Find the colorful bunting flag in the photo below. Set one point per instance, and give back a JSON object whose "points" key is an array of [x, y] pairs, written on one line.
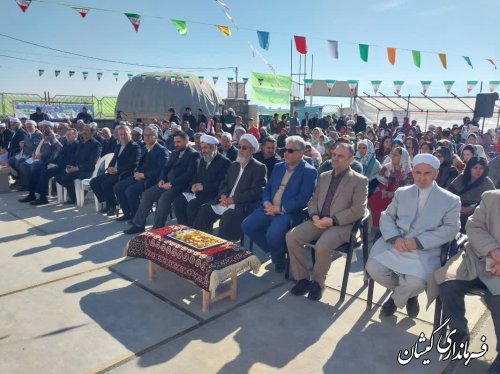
{"points": [[99, 76], [135, 20], [391, 55], [471, 85], [300, 44], [263, 37], [186, 80], [40, 72], [180, 25], [442, 58], [83, 11], [85, 74], [223, 4], [143, 77], [261, 80], [467, 59], [333, 47], [71, 73], [376, 86], [215, 79], [492, 62], [57, 72], [230, 81], [231, 19], [255, 52], [173, 78], [425, 85], [448, 85], [245, 80], [363, 52], [416, 58], [201, 78], [157, 77], [23, 4], [116, 76], [329, 84], [398, 85], [308, 84], [494, 86], [130, 76], [352, 86], [225, 30]]}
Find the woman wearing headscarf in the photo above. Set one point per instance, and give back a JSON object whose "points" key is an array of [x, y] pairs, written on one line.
{"points": [[371, 167], [479, 151], [394, 174], [447, 172], [470, 185], [384, 148], [467, 153], [411, 145]]}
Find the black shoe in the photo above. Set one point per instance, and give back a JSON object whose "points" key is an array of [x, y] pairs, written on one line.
{"points": [[301, 288], [104, 209], [495, 366], [130, 221], [40, 201], [27, 199], [70, 202], [316, 292], [412, 307], [123, 218], [111, 211], [388, 308], [134, 230]]}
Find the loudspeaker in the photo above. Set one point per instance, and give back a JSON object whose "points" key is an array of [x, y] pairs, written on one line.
{"points": [[485, 104]]}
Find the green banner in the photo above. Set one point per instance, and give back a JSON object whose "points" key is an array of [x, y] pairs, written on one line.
{"points": [[271, 89]]}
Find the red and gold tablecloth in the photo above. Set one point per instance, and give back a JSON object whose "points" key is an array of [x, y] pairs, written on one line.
{"points": [[207, 268]]}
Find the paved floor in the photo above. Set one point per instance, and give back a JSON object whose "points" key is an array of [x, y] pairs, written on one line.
{"points": [[70, 303]]}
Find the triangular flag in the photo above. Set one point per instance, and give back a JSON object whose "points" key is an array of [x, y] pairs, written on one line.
{"points": [[85, 74], [173, 78], [329, 84], [99, 76], [57, 72], [425, 85], [230, 81], [116, 76], [23, 4], [71, 73], [135, 20], [223, 4], [308, 84], [442, 58], [231, 19], [157, 77], [467, 59], [215, 79], [398, 85], [352, 86], [225, 30], [376, 86], [245, 80], [448, 85], [492, 62], [363, 52], [180, 25], [300, 44], [263, 37], [416, 58], [494, 86], [143, 77], [260, 80], [333, 47], [201, 78], [130, 76], [83, 11], [391, 55], [471, 85], [40, 72], [186, 80]]}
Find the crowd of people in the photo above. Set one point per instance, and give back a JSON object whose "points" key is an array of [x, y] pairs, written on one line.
{"points": [[421, 187]]}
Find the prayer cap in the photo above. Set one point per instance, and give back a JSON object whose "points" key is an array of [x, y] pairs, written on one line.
{"points": [[14, 120], [30, 122], [137, 130], [425, 158], [252, 140], [209, 139], [2, 125]]}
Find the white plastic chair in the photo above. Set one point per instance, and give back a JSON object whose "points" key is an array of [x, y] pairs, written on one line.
{"points": [[82, 185]]}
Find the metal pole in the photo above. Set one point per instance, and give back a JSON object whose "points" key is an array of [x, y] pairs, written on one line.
{"points": [[426, 117], [291, 65], [498, 120], [300, 72], [378, 113], [408, 106], [236, 69], [310, 94], [481, 87], [482, 130]]}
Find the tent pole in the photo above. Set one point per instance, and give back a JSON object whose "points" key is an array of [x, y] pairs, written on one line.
{"points": [[236, 70], [498, 119], [310, 94], [426, 117], [408, 106]]}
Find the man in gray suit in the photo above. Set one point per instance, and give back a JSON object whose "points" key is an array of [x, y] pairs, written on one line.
{"points": [[420, 219]]}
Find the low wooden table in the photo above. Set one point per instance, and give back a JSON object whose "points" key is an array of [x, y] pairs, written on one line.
{"points": [[207, 268]]}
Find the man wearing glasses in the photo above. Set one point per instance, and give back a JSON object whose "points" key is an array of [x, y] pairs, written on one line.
{"points": [[285, 196]]}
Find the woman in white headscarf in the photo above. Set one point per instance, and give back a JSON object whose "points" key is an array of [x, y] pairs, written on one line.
{"points": [[371, 167]]}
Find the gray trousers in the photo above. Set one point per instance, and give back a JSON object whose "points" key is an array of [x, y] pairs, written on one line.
{"points": [[403, 286], [149, 197]]}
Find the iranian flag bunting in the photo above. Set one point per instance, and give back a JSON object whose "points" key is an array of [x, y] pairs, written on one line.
{"points": [[352, 86], [99, 76], [40, 72], [471, 85], [135, 20], [130, 76], [116, 76], [245, 80], [230, 81], [185, 80], [376, 86], [83, 11], [215, 79], [201, 78], [85, 75], [143, 77], [425, 86], [71, 73], [158, 77], [448, 85], [23, 4], [398, 85], [173, 78], [261, 80], [494, 86], [329, 84], [57, 72], [308, 84]]}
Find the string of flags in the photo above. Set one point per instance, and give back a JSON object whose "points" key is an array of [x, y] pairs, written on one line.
{"points": [[263, 37]]}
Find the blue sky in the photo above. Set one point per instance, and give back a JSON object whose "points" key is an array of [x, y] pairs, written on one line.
{"points": [[457, 28]]}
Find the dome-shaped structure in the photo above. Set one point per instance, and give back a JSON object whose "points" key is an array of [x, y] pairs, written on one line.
{"points": [[150, 95]]}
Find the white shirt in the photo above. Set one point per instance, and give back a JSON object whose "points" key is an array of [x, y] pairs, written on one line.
{"points": [[219, 209]]}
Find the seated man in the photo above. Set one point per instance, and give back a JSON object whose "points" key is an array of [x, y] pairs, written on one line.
{"points": [[82, 163], [153, 159], [285, 196], [268, 155], [339, 201], [419, 220], [32, 138], [123, 164], [478, 267], [238, 195], [211, 171], [226, 148], [174, 179]]}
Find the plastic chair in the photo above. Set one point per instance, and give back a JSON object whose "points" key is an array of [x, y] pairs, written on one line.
{"points": [[82, 185]]}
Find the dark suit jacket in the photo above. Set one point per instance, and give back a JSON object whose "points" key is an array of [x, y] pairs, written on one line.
{"points": [[14, 147], [5, 138], [31, 141], [249, 188], [211, 177], [151, 164], [86, 156], [184, 168], [128, 160], [232, 153], [66, 154]]}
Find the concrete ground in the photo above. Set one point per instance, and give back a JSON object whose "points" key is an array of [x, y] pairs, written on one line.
{"points": [[70, 303]]}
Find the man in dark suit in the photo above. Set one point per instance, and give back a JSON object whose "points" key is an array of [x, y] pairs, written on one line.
{"points": [[122, 166], [226, 148], [19, 134], [152, 161], [285, 196], [5, 136], [268, 155], [211, 171], [188, 116], [174, 179], [39, 115], [238, 195]]}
